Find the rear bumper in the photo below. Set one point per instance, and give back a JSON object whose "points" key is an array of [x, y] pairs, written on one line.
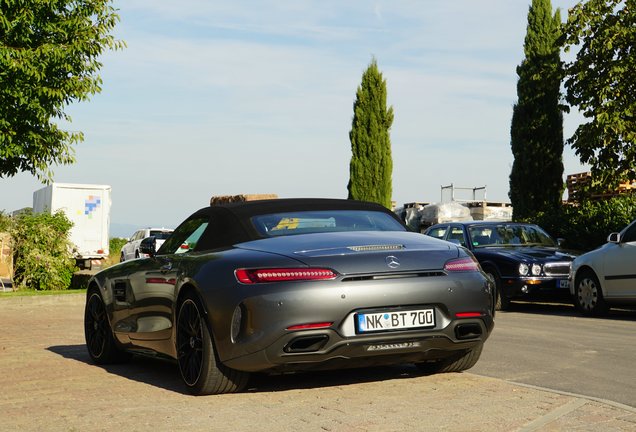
{"points": [[328, 349]]}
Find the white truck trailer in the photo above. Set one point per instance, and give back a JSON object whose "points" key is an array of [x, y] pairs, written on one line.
{"points": [[88, 207]]}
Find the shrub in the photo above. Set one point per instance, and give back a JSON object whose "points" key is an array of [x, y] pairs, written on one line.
{"points": [[587, 225], [42, 251]]}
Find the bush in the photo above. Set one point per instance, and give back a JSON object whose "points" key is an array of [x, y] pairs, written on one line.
{"points": [[587, 225], [42, 251], [114, 247]]}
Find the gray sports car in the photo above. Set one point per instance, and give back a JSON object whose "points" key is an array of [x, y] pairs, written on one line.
{"points": [[288, 285]]}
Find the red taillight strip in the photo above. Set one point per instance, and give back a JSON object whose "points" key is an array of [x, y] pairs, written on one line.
{"points": [[461, 265], [310, 326], [469, 314], [254, 276]]}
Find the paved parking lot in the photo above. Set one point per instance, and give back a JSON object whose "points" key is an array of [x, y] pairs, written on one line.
{"points": [[47, 383]]}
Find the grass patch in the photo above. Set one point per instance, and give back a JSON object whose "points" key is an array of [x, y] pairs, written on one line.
{"points": [[32, 293]]}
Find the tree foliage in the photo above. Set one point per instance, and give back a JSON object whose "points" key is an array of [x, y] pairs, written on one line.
{"points": [[587, 225], [49, 52], [42, 251], [600, 83], [371, 164], [536, 132]]}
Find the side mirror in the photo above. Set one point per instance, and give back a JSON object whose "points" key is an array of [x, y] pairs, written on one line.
{"points": [[148, 246], [614, 238], [560, 242]]}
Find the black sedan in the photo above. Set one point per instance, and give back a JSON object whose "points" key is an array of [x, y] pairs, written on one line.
{"points": [[288, 285], [522, 259]]}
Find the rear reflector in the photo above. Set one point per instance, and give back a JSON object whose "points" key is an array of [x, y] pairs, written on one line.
{"points": [[254, 276], [468, 314], [461, 265], [310, 326]]}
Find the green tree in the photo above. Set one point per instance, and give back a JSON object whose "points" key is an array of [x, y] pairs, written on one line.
{"points": [[371, 164], [49, 53], [600, 83], [536, 132]]}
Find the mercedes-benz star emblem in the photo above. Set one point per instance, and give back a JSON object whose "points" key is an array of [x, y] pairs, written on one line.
{"points": [[392, 261]]}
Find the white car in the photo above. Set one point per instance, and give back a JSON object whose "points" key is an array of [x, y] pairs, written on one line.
{"points": [[606, 276], [131, 249]]}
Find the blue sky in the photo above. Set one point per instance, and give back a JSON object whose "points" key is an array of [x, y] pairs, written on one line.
{"points": [[215, 98]]}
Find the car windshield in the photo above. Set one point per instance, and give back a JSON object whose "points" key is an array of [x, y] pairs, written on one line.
{"points": [[509, 235], [304, 222]]}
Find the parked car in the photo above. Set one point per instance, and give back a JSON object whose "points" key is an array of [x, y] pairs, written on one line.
{"points": [[522, 259], [131, 249], [291, 284], [606, 276]]}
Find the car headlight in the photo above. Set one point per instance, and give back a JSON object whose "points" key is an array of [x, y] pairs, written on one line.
{"points": [[523, 269], [536, 269]]}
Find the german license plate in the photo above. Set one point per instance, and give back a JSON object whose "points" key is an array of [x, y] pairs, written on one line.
{"points": [[564, 283], [395, 320]]}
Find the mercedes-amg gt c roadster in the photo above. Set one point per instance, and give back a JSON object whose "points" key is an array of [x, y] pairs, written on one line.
{"points": [[290, 285]]}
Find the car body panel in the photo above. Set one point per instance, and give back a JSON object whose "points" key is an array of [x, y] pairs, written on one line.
{"points": [[393, 272], [614, 264]]}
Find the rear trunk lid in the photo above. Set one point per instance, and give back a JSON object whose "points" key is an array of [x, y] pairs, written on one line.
{"points": [[364, 252]]}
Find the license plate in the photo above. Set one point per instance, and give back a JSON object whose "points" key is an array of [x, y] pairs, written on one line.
{"points": [[564, 283], [395, 320]]}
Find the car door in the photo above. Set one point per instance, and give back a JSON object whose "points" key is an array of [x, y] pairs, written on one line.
{"points": [[620, 266], [153, 284]]}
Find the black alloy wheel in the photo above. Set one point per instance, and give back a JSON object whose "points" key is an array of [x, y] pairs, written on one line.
{"points": [[190, 342], [200, 368], [97, 332]]}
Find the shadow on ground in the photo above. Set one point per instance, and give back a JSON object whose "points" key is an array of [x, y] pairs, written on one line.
{"points": [[165, 374]]}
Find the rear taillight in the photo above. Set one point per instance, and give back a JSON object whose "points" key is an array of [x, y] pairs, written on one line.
{"points": [[254, 276], [465, 264]]}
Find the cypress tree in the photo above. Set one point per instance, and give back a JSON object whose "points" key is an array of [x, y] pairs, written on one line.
{"points": [[536, 132], [371, 164]]}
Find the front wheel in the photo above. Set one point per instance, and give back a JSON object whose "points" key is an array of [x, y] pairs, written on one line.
{"points": [[588, 296], [502, 303], [97, 331], [201, 370], [460, 363]]}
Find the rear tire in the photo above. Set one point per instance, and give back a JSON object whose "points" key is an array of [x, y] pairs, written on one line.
{"points": [[588, 295], [200, 368], [457, 363], [98, 334]]}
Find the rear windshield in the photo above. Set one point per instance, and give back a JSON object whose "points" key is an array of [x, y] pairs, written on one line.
{"points": [[160, 235], [304, 222]]}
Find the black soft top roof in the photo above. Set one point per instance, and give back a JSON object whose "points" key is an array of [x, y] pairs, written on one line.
{"points": [[252, 208], [231, 222]]}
